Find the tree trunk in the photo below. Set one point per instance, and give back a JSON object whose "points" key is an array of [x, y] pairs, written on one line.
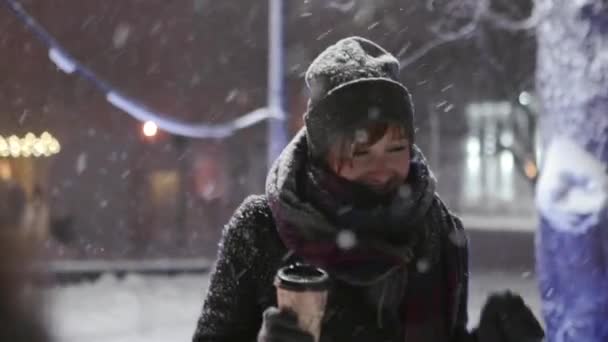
{"points": [[572, 251]]}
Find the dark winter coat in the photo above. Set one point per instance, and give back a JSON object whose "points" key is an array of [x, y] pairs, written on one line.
{"points": [[419, 298]]}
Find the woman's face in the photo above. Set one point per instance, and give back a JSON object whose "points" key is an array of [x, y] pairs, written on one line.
{"points": [[384, 162]]}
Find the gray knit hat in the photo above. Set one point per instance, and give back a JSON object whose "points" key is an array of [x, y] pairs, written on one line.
{"points": [[352, 84]]}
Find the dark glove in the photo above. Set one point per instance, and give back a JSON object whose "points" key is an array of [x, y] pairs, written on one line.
{"points": [[282, 326], [506, 318]]}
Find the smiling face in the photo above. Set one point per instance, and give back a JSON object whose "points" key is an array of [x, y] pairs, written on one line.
{"points": [[376, 156]]}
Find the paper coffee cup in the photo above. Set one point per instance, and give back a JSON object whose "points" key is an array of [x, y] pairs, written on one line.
{"points": [[303, 289]]}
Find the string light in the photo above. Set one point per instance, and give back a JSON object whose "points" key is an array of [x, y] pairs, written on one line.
{"points": [[67, 63], [30, 145]]}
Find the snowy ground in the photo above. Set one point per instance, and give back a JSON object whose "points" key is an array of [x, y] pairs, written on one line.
{"points": [[156, 308]]}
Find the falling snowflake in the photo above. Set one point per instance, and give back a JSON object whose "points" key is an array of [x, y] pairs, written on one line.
{"points": [[156, 28], [346, 239], [423, 265], [81, 163], [343, 210], [361, 136], [458, 238], [23, 116], [373, 113], [446, 88], [405, 191], [121, 35]]}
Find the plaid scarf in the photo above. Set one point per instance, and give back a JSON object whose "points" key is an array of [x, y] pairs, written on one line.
{"points": [[393, 233]]}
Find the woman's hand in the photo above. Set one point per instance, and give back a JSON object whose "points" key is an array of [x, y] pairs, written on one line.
{"points": [[506, 318], [282, 326]]}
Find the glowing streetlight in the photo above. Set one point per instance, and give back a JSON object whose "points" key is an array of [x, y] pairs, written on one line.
{"points": [[150, 129]]}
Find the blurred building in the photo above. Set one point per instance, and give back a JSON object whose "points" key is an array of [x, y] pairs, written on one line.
{"points": [[116, 191]]}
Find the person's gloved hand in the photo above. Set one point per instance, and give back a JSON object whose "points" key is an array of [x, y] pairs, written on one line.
{"points": [[506, 318], [282, 326]]}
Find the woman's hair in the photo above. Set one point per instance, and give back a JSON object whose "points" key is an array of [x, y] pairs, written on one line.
{"points": [[365, 137], [20, 307]]}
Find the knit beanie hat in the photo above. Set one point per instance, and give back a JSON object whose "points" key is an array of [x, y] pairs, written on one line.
{"points": [[352, 84]]}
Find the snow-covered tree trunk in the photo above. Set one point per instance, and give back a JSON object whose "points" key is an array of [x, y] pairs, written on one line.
{"points": [[572, 251]]}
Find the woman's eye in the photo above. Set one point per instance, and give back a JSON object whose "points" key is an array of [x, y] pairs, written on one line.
{"points": [[396, 149], [359, 153]]}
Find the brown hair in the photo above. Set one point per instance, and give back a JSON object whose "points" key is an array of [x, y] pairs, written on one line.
{"points": [[366, 137]]}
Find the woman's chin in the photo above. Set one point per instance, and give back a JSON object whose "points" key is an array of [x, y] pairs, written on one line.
{"points": [[381, 187]]}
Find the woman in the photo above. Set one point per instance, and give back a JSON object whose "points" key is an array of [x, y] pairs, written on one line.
{"points": [[353, 195]]}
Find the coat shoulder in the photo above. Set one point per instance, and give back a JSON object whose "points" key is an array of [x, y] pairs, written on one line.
{"points": [[252, 215], [447, 213], [253, 208], [252, 228]]}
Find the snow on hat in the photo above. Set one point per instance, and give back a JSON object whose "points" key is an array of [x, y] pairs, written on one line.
{"points": [[354, 83]]}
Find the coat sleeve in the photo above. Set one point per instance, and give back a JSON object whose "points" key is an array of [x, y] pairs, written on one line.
{"points": [[230, 310], [459, 248]]}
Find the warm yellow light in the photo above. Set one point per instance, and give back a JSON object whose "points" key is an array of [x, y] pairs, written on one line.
{"points": [[30, 138], [4, 149], [46, 136], [29, 145], [150, 129], [13, 140], [54, 146], [3, 144], [5, 170], [14, 144], [26, 151], [39, 148]]}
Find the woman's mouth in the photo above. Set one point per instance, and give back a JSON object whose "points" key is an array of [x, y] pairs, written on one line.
{"points": [[377, 179]]}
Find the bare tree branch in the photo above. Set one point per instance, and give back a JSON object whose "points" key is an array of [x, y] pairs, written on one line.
{"points": [[483, 12], [539, 12], [444, 38]]}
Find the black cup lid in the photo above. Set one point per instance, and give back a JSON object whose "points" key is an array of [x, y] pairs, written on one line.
{"points": [[302, 277]]}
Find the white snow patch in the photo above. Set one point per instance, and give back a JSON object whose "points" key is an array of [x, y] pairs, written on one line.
{"points": [[572, 191], [133, 309], [160, 309]]}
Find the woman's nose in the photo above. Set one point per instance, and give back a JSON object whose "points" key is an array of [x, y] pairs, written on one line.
{"points": [[378, 161]]}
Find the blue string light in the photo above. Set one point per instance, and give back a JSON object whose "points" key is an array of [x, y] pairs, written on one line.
{"points": [[68, 64]]}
